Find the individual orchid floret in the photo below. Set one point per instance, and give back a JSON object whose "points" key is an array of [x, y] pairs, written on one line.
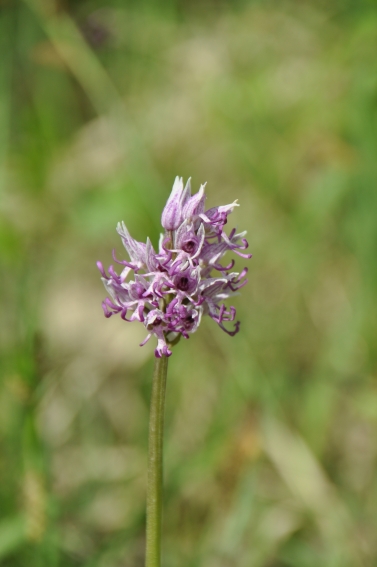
{"points": [[216, 218], [136, 250], [170, 290]]}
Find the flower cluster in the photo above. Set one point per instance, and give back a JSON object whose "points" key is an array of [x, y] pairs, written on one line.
{"points": [[171, 289]]}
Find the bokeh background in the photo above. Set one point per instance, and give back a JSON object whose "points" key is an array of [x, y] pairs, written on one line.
{"points": [[271, 436]]}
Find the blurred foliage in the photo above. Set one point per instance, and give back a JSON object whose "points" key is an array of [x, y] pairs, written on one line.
{"points": [[271, 437]]}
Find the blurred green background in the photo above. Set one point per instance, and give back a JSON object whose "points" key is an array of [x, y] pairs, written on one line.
{"points": [[271, 436]]}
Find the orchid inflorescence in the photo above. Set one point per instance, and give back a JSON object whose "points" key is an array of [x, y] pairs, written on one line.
{"points": [[174, 287]]}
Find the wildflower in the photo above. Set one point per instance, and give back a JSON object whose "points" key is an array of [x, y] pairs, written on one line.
{"points": [[173, 288]]}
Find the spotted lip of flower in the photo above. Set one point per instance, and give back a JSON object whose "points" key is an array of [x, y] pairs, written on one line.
{"points": [[173, 288]]}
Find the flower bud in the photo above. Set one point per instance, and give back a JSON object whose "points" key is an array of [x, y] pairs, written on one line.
{"points": [[172, 215]]}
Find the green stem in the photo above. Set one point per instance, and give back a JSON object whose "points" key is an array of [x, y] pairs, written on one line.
{"points": [[155, 453]]}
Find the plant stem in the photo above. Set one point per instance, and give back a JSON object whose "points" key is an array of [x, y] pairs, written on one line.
{"points": [[155, 454]]}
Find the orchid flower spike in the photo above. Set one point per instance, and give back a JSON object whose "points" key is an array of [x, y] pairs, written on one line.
{"points": [[173, 288]]}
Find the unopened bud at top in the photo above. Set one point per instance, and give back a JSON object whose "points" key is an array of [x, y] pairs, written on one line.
{"points": [[172, 215]]}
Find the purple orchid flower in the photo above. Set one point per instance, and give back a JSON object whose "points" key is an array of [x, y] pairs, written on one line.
{"points": [[174, 287]]}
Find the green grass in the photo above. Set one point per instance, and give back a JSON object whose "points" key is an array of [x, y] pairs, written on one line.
{"points": [[270, 436]]}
